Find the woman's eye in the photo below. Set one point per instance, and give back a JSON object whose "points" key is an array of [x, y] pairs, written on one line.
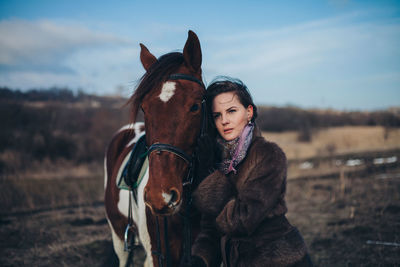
{"points": [[194, 108], [216, 116], [232, 110]]}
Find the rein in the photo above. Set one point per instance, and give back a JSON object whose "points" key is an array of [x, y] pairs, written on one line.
{"points": [[187, 183]]}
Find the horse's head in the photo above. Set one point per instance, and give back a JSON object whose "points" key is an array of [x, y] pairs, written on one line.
{"points": [[173, 114]]}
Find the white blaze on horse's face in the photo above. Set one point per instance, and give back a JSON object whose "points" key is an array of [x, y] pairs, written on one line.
{"points": [[167, 91]]}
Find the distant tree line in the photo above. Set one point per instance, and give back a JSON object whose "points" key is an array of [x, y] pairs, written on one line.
{"points": [[278, 119], [52, 94], [56, 130]]}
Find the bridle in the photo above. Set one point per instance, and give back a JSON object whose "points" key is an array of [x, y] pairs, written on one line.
{"points": [[187, 182]]}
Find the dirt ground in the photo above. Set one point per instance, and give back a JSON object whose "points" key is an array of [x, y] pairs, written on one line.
{"points": [[341, 220]]}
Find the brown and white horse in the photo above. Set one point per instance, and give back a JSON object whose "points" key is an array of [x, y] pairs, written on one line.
{"points": [[173, 115]]}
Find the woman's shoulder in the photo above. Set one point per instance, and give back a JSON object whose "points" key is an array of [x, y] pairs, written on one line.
{"points": [[266, 150]]}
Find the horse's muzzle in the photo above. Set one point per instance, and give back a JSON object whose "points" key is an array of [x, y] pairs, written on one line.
{"points": [[165, 203]]}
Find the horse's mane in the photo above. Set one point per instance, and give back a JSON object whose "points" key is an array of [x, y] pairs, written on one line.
{"points": [[157, 73]]}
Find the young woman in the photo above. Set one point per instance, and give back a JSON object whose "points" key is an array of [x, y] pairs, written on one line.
{"points": [[242, 201]]}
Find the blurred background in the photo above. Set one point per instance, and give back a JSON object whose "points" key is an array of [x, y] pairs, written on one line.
{"points": [[325, 76]]}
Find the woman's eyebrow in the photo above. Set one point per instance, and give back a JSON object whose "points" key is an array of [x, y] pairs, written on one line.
{"points": [[225, 110]]}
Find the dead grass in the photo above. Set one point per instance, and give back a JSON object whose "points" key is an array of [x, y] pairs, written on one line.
{"points": [[48, 185], [19, 166], [338, 140], [23, 194]]}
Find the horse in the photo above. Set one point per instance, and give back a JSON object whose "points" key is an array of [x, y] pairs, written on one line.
{"points": [[171, 96]]}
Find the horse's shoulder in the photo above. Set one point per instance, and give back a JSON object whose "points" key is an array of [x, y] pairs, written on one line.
{"points": [[123, 141], [127, 135]]}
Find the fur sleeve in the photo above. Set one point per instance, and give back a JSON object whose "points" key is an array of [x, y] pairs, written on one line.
{"points": [[258, 196], [213, 193]]}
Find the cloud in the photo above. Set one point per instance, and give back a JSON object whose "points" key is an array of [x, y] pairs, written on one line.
{"points": [[278, 64], [281, 49], [46, 53], [41, 42]]}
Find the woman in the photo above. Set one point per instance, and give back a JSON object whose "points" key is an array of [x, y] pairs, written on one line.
{"points": [[242, 202]]}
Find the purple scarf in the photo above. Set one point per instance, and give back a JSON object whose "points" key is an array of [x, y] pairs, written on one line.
{"points": [[234, 151]]}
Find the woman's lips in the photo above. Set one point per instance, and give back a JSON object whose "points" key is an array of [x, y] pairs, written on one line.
{"points": [[226, 131]]}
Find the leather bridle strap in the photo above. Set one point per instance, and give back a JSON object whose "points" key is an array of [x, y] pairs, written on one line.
{"points": [[181, 76], [169, 148]]}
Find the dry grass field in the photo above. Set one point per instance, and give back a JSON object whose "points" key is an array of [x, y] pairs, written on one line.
{"points": [[343, 210], [337, 140]]}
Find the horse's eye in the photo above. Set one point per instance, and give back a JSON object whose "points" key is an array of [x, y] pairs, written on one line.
{"points": [[194, 108]]}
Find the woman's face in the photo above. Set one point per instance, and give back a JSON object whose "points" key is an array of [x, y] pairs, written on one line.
{"points": [[230, 116]]}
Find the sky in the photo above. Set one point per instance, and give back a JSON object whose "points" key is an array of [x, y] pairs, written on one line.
{"points": [[337, 54]]}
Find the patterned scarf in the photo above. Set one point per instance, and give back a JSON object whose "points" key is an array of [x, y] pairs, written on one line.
{"points": [[234, 151]]}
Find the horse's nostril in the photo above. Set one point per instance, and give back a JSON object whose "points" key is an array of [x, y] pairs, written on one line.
{"points": [[175, 196]]}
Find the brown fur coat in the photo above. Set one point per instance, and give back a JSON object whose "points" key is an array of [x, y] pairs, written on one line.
{"points": [[243, 213]]}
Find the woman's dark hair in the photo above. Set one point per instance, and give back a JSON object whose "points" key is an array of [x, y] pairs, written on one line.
{"points": [[225, 84]]}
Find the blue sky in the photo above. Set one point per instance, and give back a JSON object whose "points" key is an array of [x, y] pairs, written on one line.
{"points": [[339, 54]]}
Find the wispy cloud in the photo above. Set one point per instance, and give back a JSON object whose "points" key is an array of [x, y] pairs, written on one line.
{"points": [[40, 42], [280, 63], [40, 53], [297, 46]]}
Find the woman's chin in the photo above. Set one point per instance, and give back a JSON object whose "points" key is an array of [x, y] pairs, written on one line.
{"points": [[229, 137]]}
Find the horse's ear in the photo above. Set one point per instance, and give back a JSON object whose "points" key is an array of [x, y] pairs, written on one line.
{"points": [[192, 52], [146, 57]]}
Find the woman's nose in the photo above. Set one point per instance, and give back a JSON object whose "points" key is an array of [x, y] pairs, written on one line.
{"points": [[224, 120]]}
